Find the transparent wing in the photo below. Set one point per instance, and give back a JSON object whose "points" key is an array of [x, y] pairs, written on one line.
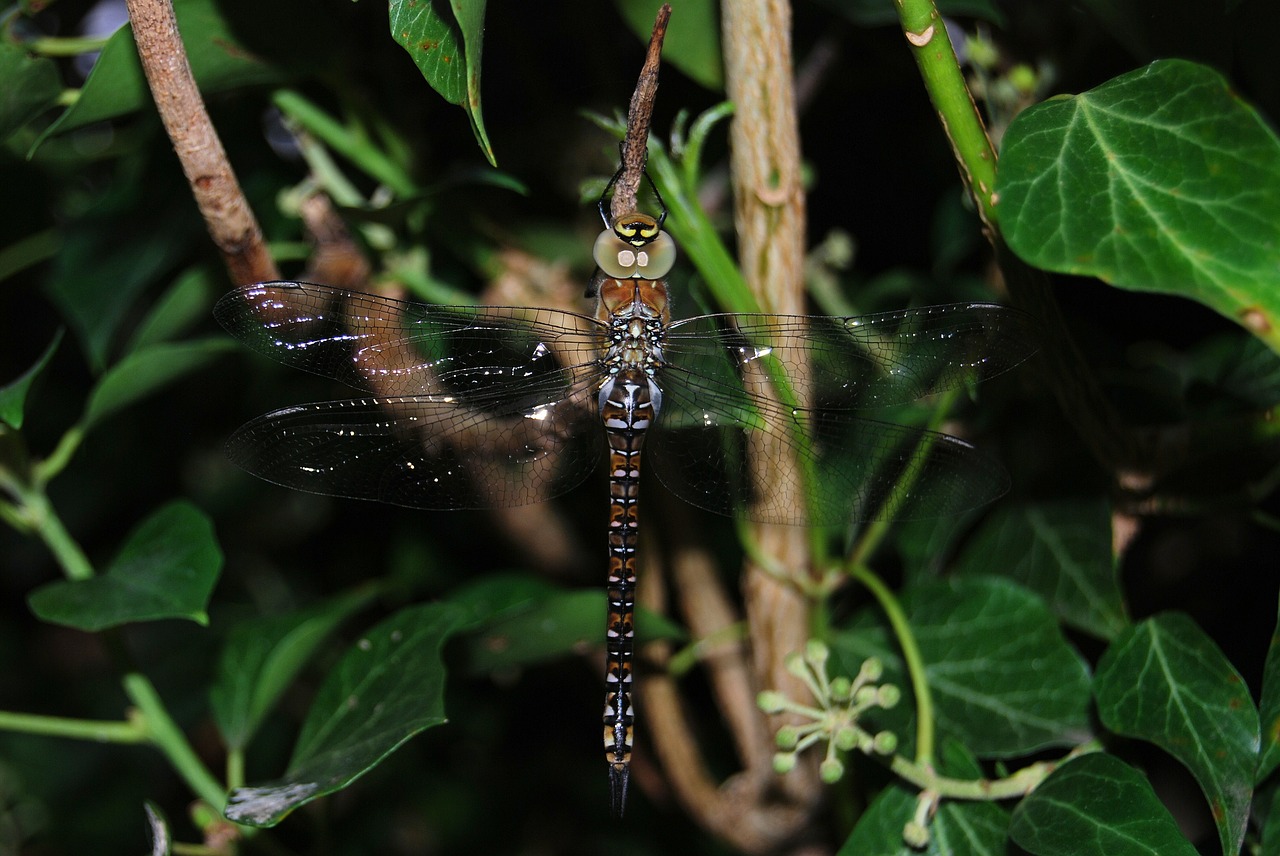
{"points": [[398, 348], [729, 445], [421, 452], [861, 362], [472, 407]]}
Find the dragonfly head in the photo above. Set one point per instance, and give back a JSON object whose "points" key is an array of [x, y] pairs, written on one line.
{"points": [[635, 248]]}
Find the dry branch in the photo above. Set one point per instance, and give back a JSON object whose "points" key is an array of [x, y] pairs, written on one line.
{"points": [[226, 212]]}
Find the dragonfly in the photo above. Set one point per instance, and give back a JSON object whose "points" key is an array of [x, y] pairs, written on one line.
{"points": [[472, 407]]}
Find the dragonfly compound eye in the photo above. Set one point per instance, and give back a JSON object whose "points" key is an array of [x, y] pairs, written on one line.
{"points": [[623, 259]]}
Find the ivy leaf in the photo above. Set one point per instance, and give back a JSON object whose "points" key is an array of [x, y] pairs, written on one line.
{"points": [[1097, 805], [1004, 681], [1165, 681], [145, 371], [1159, 180], [388, 687], [117, 87], [1269, 710], [28, 86], [448, 57], [692, 44], [1059, 550], [166, 569], [960, 828], [13, 396], [263, 655]]}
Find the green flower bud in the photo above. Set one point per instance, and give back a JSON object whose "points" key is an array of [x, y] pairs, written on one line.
{"points": [[831, 771]]}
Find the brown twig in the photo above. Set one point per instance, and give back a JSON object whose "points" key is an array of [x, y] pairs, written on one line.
{"points": [[230, 221], [635, 145]]}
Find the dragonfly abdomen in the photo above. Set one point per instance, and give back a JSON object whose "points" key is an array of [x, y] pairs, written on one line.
{"points": [[628, 405]]}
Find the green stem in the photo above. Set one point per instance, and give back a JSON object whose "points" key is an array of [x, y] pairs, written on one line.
{"points": [[99, 731], [875, 531], [66, 46], [33, 512], [944, 81], [352, 145], [911, 654], [169, 739], [1019, 784]]}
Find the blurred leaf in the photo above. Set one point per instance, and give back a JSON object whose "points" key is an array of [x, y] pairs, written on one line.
{"points": [[1159, 180], [1004, 681], [13, 396], [692, 43], [387, 688], [447, 58], [528, 621], [1269, 710], [1166, 682], [107, 260], [1238, 365], [1059, 550], [167, 568], [28, 86], [263, 655], [1097, 805], [143, 372], [187, 301], [117, 86]]}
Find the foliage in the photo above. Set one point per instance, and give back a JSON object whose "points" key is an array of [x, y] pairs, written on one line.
{"points": [[1062, 661]]}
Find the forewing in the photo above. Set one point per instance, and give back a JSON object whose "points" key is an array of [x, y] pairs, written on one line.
{"points": [[472, 407], [862, 362], [397, 348], [724, 412]]}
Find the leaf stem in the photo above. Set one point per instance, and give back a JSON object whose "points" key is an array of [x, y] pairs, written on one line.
{"points": [[169, 739], [936, 58], [911, 655], [33, 512], [1018, 784], [99, 731]]}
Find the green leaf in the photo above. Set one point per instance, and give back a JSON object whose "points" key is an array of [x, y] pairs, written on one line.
{"points": [[448, 59], [13, 396], [187, 301], [1097, 805], [143, 372], [263, 655], [28, 86], [692, 43], [1004, 681], [109, 258], [1165, 681], [958, 829], [117, 86], [525, 620], [167, 568], [1269, 709], [1062, 552], [387, 688], [1270, 823], [1159, 180]]}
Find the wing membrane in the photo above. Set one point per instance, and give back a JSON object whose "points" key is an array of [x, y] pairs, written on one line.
{"points": [[420, 452]]}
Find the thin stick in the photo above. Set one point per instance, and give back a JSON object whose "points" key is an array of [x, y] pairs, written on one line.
{"points": [[226, 212], [636, 143]]}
